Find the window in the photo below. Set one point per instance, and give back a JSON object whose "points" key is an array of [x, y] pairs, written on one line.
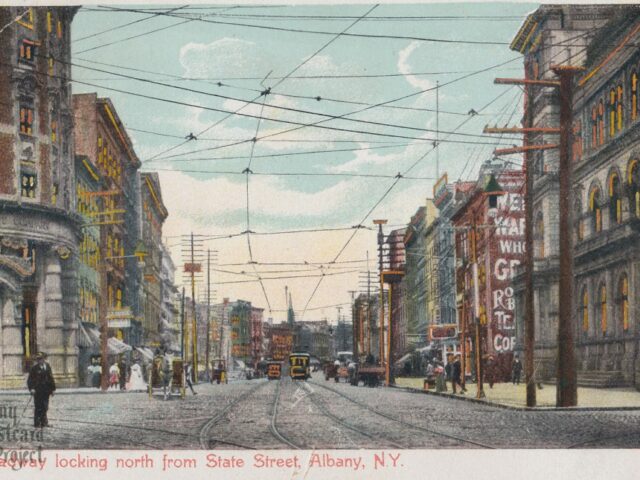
{"points": [[612, 112], [26, 120], [634, 95], [54, 130], [26, 18], [578, 217], [538, 237], [623, 302], [49, 22], [27, 51], [603, 308], [619, 109], [577, 141], [119, 298], [601, 123], [596, 212], [615, 200], [50, 64], [594, 127], [28, 182], [633, 182], [54, 194], [59, 29], [585, 310]]}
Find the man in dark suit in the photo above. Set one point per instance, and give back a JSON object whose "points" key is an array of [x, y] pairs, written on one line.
{"points": [[41, 385]]}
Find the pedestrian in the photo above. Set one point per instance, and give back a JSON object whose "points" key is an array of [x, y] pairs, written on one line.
{"points": [[41, 385], [441, 384], [516, 370], [447, 370], [456, 372], [114, 376], [490, 371], [188, 372], [122, 368]]}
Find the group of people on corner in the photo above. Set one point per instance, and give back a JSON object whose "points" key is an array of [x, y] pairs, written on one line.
{"points": [[437, 374]]}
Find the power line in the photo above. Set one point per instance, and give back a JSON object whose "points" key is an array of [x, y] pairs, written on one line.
{"points": [[86, 37], [294, 174], [277, 107], [322, 32]]}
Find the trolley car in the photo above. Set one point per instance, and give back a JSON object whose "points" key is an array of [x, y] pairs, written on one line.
{"points": [[299, 366], [274, 370]]}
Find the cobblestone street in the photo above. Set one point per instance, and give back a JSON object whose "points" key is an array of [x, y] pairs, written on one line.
{"points": [[309, 415]]}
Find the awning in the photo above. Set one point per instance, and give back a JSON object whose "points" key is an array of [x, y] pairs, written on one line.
{"points": [[240, 363], [403, 359], [146, 353], [116, 347], [88, 336]]}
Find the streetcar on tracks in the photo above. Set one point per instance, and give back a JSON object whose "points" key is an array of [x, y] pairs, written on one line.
{"points": [[274, 370], [300, 366]]}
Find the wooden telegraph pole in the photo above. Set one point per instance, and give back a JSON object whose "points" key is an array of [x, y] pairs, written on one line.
{"points": [[381, 267], [566, 369]]}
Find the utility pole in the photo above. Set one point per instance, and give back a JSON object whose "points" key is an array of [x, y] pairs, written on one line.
{"points": [[207, 369], [355, 327], [476, 311], [194, 325], [368, 306], [182, 335], [567, 391], [381, 267], [566, 388]]}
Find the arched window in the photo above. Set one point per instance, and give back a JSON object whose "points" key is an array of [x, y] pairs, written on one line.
{"points": [[603, 308], [634, 95], [585, 309], [601, 122], [613, 106], [577, 210], [615, 199], [538, 236], [619, 108], [594, 127], [577, 141], [596, 209], [623, 302], [633, 187]]}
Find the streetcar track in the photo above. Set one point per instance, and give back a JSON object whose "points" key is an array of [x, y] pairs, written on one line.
{"points": [[345, 424], [402, 422], [274, 413], [213, 421]]}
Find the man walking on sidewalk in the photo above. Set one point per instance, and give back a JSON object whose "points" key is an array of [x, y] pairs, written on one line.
{"points": [[456, 372], [41, 385], [516, 370]]}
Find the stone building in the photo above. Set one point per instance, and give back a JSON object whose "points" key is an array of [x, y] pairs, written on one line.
{"points": [[39, 230], [256, 335], [606, 187], [102, 139], [169, 313]]}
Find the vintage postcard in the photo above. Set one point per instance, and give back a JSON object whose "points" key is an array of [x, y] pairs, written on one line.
{"points": [[319, 240]]}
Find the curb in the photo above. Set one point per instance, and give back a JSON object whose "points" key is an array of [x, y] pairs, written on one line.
{"points": [[72, 392], [515, 408]]}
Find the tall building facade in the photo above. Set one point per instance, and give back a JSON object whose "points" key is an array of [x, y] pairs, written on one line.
{"points": [[415, 290], [102, 139], [154, 213], [39, 230], [489, 233], [606, 185]]}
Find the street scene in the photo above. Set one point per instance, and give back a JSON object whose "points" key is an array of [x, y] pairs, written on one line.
{"points": [[256, 227]]}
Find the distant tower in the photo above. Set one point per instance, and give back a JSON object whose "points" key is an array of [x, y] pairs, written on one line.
{"points": [[291, 318]]}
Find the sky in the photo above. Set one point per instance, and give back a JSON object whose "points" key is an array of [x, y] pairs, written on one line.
{"points": [[248, 81]]}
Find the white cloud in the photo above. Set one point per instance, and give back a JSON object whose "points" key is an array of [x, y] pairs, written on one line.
{"points": [[405, 68]]}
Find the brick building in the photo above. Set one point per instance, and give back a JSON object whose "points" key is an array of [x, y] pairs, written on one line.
{"points": [[102, 139], [39, 230], [489, 238]]}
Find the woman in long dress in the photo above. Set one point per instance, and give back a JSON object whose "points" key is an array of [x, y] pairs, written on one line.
{"points": [[136, 382]]}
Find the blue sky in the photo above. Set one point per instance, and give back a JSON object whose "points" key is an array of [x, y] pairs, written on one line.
{"points": [[213, 60]]}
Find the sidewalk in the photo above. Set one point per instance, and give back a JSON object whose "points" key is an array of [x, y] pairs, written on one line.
{"points": [[69, 391], [515, 396]]}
